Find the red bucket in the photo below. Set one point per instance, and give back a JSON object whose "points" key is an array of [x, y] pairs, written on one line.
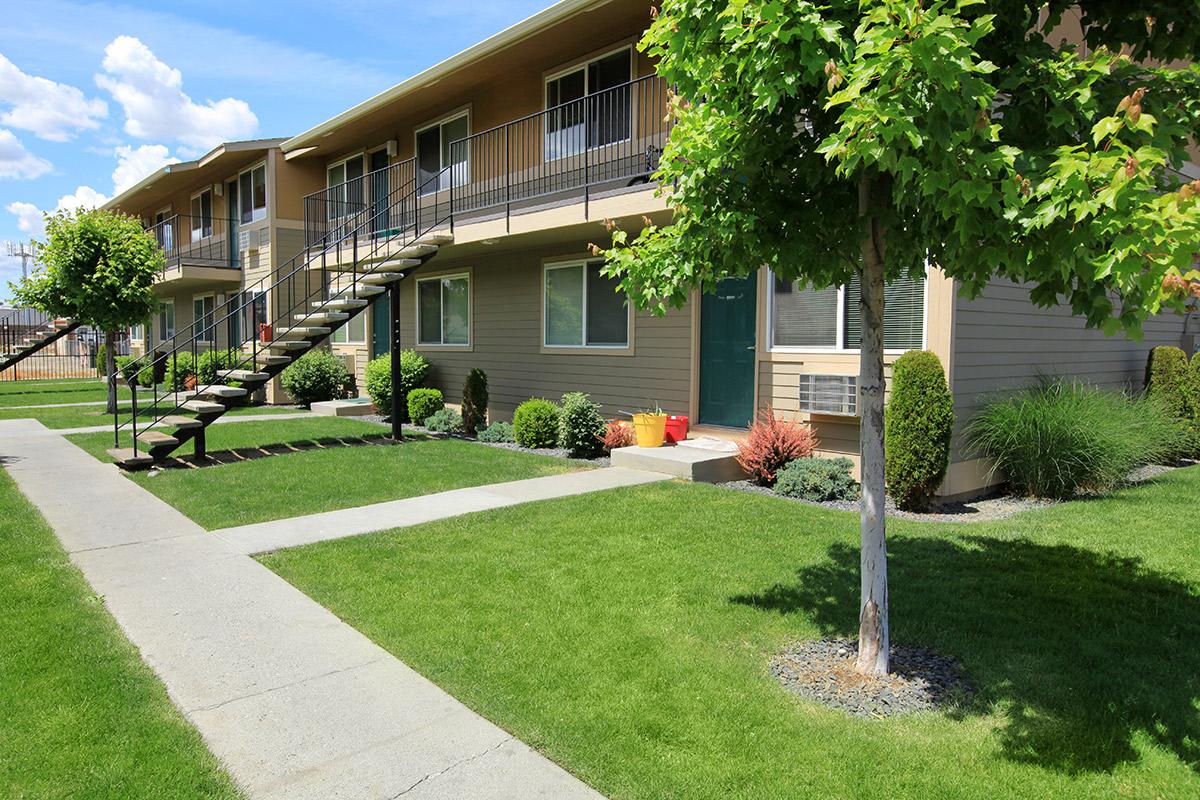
{"points": [[677, 428]]}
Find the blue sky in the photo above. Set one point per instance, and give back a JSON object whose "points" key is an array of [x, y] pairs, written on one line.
{"points": [[93, 96]]}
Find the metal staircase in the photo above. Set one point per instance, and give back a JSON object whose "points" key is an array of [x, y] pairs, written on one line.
{"points": [[35, 341], [318, 292]]}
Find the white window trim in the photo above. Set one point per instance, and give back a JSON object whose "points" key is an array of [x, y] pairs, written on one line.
{"points": [[196, 322], [442, 301], [243, 200], [361, 155], [212, 205], [841, 324], [582, 264], [461, 111], [583, 65]]}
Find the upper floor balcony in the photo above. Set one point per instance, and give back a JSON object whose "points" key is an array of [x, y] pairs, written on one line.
{"points": [[597, 146], [198, 249]]}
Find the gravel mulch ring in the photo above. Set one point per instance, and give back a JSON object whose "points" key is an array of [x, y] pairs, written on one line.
{"points": [[983, 510], [823, 671]]}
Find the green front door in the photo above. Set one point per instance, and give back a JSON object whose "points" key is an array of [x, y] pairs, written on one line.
{"points": [[727, 353], [381, 334]]}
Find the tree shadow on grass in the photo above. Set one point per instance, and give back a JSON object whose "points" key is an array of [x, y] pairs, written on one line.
{"points": [[1078, 652]]}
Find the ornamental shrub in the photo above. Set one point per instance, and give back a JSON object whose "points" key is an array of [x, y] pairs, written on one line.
{"points": [[315, 377], [580, 426], [474, 402], [772, 443], [423, 404], [101, 360], [413, 371], [617, 434], [535, 424], [497, 432], [179, 368], [1060, 439], [818, 479], [1175, 384], [213, 361], [447, 420], [918, 423]]}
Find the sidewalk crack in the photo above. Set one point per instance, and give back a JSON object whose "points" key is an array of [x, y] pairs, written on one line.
{"points": [[455, 765], [300, 682]]}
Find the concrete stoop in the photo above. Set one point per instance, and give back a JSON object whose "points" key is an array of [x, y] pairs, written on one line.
{"points": [[703, 460]]}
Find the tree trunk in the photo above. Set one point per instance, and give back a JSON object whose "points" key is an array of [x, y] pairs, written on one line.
{"points": [[110, 368], [873, 632]]}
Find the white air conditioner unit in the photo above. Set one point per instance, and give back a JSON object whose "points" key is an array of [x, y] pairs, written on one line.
{"points": [[829, 394], [248, 241]]}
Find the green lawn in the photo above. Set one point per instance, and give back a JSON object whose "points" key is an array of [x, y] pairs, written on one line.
{"points": [[42, 392], [627, 634], [323, 479], [83, 716]]}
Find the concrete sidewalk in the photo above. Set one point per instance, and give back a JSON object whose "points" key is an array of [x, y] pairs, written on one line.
{"points": [[295, 703], [263, 537]]}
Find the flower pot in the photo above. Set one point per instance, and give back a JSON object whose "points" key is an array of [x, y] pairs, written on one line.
{"points": [[651, 429], [677, 428], [265, 332]]}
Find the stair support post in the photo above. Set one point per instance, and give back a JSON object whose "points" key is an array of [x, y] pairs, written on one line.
{"points": [[199, 446], [398, 399]]}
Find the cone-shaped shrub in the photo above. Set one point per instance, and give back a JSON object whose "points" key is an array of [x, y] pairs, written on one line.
{"points": [[580, 425], [475, 402], [771, 444], [1174, 384], [918, 423]]}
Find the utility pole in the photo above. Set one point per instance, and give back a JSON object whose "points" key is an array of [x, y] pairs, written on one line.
{"points": [[23, 251]]}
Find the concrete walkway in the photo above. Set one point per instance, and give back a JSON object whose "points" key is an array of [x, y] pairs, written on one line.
{"points": [[263, 537], [294, 702]]}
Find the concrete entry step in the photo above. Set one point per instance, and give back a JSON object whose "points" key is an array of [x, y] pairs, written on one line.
{"points": [[127, 460], [354, 407], [700, 460]]}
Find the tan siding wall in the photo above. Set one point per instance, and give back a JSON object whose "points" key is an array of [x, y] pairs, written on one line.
{"points": [[1003, 341], [506, 333]]}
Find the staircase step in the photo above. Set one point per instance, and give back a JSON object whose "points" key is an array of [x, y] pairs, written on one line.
{"points": [[340, 302], [244, 375], [380, 279], [275, 360], [125, 458], [157, 439], [370, 291], [305, 333], [203, 407], [181, 422], [218, 390], [290, 344], [416, 250], [397, 265], [321, 316], [436, 238]]}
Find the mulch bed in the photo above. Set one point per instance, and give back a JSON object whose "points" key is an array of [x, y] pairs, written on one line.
{"points": [[823, 671]]}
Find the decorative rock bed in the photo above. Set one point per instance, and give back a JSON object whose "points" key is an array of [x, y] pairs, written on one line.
{"points": [[823, 671]]}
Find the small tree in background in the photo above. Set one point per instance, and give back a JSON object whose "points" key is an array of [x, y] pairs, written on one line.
{"points": [[868, 138], [919, 422], [98, 268], [475, 402]]}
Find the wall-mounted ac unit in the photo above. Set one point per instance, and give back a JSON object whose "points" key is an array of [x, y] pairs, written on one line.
{"points": [[248, 241], [829, 394]]}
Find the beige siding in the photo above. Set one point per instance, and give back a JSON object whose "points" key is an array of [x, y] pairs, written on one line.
{"points": [[506, 305]]}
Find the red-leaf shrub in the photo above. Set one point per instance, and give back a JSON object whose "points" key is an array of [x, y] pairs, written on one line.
{"points": [[771, 444], [617, 434]]}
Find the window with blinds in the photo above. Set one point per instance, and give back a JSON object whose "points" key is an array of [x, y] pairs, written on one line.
{"points": [[829, 318]]}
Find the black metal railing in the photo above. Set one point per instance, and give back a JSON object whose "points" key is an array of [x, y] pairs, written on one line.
{"points": [[198, 241], [607, 140], [234, 333], [34, 346]]}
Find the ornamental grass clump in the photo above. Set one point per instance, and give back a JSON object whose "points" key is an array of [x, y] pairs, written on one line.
{"points": [[535, 424], [772, 443], [1061, 438], [918, 423]]}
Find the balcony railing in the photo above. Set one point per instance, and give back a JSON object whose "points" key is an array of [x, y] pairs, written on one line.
{"points": [[198, 241], [602, 143]]}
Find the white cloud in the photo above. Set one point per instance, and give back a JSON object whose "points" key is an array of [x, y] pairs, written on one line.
{"points": [[135, 163], [156, 107], [30, 218], [17, 162], [52, 111]]}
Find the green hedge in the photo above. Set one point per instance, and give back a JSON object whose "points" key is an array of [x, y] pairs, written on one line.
{"points": [[918, 423], [535, 424], [414, 369]]}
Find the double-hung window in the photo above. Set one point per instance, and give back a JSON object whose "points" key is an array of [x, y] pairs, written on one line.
{"points": [[345, 187], [353, 332], [439, 164], [202, 215], [203, 315], [589, 105], [828, 319], [583, 308], [252, 193], [166, 321], [444, 310]]}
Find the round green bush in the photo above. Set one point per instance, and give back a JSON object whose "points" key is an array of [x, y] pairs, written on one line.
{"points": [[581, 426], [918, 423], [475, 401], [447, 420], [817, 479], [535, 424], [423, 404], [497, 432], [413, 371], [179, 367], [315, 377]]}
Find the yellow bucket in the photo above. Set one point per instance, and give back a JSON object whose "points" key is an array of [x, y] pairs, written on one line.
{"points": [[651, 429]]}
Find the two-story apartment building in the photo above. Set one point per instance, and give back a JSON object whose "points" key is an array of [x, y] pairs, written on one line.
{"points": [[513, 153]]}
